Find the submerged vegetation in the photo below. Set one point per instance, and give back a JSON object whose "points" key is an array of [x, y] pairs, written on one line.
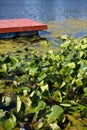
{"points": [[45, 92]]}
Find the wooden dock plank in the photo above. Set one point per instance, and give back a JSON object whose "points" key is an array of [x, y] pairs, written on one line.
{"points": [[20, 25]]}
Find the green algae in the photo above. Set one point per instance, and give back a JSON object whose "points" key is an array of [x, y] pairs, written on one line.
{"points": [[11, 45], [71, 27], [17, 45]]}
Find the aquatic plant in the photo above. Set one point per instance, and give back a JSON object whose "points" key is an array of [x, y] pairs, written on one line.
{"points": [[45, 92]]}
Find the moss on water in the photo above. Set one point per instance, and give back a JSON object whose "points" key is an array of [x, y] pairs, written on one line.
{"points": [[18, 44], [71, 27]]}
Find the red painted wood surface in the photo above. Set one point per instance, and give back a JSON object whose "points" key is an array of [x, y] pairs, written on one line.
{"points": [[20, 25]]}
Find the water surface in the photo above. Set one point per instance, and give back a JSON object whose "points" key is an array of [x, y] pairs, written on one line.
{"points": [[62, 16], [44, 10]]}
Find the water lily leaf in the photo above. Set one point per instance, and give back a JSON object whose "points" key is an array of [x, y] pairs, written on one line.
{"points": [[54, 126], [84, 46], [40, 106], [85, 91], [44, 43], [7, 59], [14, 60], [63, 84], [27, 102], [81, 53], [13, 118], [4, 67], [25, 92], [80, 73], [46, 63], [84, 70], [57, 96], [18, 103], [65, 45], [42, 77], [2, 113], [15, 83], [41, 83], [9, 124], [71, 65], [64, 37], [77, 47], [32, 71], [44, 87], [56, 111], [81, 107], [22, 88], [50, 51], [79, 82]]}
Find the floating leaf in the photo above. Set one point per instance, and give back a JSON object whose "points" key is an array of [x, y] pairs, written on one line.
{"points": [[57, 96], [9, 124], [18, 103], [63, 84], [42, 77], [44, 87], [40, 106], [71, 65], [56, 111], [2, 113], [79, 82], [27, 102], [54, 126], [4, 67], [84, 46], [14, 60], [81, 53], [85, 91]]}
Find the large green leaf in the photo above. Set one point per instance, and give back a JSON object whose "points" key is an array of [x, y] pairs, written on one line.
{"points": [[41, 77], [79, 82], [56, 111], [71, 65], [44, 87], [57, 96], [27, 102], [9, 124], [40, 106]]}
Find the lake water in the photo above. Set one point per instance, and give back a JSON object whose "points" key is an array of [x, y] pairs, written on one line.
{"points": [[50, 12], [44, 10]]}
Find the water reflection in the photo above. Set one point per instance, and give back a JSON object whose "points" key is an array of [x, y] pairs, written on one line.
{"points": [[44, 10]]}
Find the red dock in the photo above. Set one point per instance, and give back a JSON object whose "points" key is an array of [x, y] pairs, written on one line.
{"points": [[20, 25]]}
